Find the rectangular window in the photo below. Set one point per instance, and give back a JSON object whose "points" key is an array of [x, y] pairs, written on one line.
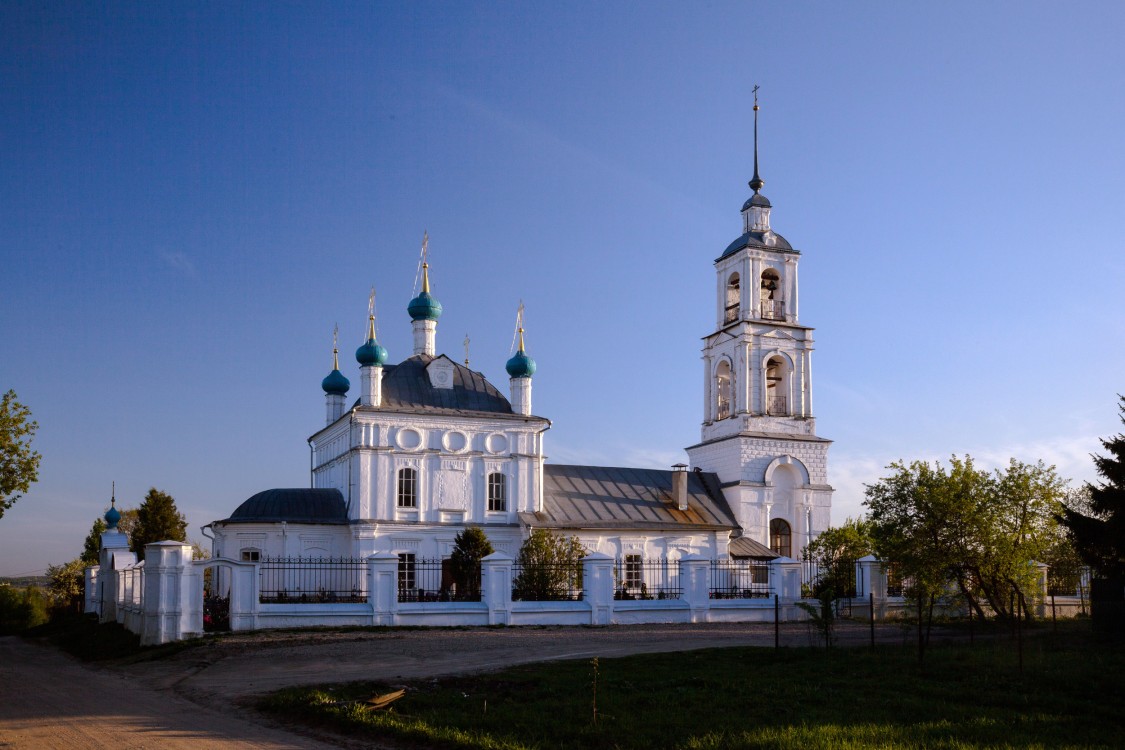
{"points": [[632, 572], [496, 492], [407, 488], [405, 571], [251, 555]]}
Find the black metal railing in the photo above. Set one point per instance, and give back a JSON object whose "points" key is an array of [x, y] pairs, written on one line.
{"points": [[773, 309], [738, 579], [731, 313], [646, 579], [547, 582], [312, 580], [724, 408], [438, 581], [897, 583], [776, 406], [1067, 582], [836, 577]]}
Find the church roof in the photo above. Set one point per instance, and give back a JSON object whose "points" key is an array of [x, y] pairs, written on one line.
{"points": [[744, 546], [407, 387], [300, 505], [590, 497], [772, 241]]}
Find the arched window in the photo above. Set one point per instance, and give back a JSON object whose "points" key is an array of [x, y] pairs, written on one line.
{"points": [[407, 488], [781, 539], [497, 491], [773, 307], [733, 299], [724, 389], [777, 386]]}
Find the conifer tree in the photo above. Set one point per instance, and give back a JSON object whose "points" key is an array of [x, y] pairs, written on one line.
{"points": [[158, 520], [469, 548], [1097, 523], [92, 547]]}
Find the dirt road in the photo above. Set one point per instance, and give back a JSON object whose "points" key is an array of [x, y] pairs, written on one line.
{"points": [[196, 698]]}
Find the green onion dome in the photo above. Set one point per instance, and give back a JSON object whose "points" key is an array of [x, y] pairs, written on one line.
{"points": [[424, 307], [521, 365], [112, 516], [336, 384], [371, 354]]}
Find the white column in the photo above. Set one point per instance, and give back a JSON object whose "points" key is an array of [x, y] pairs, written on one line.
{"points": [[755, 286], [707, 404], [425, 336], [521, 395], [371, 385]]}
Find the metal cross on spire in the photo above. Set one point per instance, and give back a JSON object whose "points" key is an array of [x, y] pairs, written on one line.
{"points": [[423, 266], [519, 328], [371, 314], [466, 350], [757, 182], [335, 346]]}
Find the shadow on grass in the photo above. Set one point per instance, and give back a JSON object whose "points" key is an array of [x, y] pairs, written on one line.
{"points": [[1068, 695]]}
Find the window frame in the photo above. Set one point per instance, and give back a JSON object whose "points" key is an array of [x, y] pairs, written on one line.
{"points": [[406, 488], [497, 492]]}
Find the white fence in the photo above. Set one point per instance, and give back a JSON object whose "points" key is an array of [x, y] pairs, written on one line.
{"points": [[162, 599]]}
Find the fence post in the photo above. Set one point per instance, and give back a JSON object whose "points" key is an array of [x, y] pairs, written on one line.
{"points": [[785, 580], [113, 556], [695, 577], [245, 596], [1041, 595], [496, 587], [165, 592], [597, 587], [91, 600], [382, 587], [871, 575]]}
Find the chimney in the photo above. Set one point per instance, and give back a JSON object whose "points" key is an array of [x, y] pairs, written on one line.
{"points": [[679, 485]]}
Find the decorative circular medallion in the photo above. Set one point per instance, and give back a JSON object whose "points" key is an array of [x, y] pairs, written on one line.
{"points": [[496, 443], [408, 439], [455, 441]]}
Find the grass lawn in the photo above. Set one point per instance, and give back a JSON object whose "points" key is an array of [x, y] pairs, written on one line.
{"points": [[1071, 694]]}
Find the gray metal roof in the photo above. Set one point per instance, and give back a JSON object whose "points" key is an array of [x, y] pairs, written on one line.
{"points": [[744, 546], [587, 497], [299, 505], [759, 239], [406, 387]]}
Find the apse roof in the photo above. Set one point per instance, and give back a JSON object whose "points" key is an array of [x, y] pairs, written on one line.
{"points": [[407, 387], [612, 497], [299, 505]]}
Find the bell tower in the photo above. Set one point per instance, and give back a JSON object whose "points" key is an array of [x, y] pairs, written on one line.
{"points": [[759, 433]]}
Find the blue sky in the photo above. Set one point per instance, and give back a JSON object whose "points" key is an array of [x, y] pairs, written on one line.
{"points": [[192, 195]]}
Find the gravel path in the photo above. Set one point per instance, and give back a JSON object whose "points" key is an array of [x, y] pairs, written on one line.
{"points": [[198, 698]]}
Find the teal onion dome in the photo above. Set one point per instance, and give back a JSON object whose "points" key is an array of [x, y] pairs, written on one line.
{"points": [[112, 516], [424, 307], [521, 365], [336, 384], [371, 354]]}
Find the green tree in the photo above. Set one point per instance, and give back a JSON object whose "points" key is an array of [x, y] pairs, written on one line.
{"points": [[1096, 522], [91, 548], [19, 465], [964, 527], [68, 584], [550, 567], [21, 608], [835, 550], [158, 520], [469, 548]]}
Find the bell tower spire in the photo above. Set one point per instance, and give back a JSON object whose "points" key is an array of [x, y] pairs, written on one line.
{"points": [[758, 431]]}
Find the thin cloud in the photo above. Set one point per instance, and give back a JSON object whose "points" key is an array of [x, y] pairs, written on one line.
{"points": [[179, 262]]}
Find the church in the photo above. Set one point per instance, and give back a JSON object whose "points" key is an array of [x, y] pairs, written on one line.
{"points": [[430, 447]]}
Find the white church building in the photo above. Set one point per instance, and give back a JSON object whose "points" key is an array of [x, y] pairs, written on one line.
{"points": [[430, 447]]}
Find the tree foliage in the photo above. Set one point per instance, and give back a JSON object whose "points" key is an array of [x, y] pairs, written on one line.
{"points": [[21, 608], [469, 548], [158, 520], [68, 584], [835, 551], [550, 566], [91, 548], [963, 526], [19, 464], [1096, 521]]}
